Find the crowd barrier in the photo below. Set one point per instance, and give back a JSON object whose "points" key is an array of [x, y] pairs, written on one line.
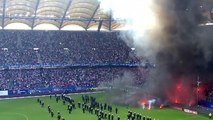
{"points": [[207, 104], [38, 66], [42, 91], [4, 93]]}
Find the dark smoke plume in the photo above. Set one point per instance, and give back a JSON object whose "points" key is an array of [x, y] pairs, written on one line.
{"points": [[181, 49]]}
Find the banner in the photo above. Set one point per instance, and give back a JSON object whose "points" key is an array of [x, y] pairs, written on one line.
{"points": [[190, 111], [4, 93], [206, 104], [48, 90]]}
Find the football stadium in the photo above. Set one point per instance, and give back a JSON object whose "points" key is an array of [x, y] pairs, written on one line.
{"points": [[106, 59]]}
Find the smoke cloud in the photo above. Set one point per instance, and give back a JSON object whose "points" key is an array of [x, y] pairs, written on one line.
{"points": [[168, 33]]}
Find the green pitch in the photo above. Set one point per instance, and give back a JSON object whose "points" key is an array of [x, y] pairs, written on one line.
{"points": [[29, 109]]}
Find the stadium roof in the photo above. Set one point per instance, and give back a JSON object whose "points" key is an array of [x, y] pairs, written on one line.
{"points": [[84, 13]]}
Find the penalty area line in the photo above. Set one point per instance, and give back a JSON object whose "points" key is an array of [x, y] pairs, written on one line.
{"points": [[187, 118], [20, 114]]}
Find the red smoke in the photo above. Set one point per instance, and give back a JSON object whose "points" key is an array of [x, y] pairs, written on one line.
{"points": [[142, 101], [161, 106], [185, 91]]}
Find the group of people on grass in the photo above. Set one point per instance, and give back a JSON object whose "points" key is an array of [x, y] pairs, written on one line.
{"points": [[89, 104]]}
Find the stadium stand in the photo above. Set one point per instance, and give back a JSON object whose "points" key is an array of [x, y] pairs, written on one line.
{"points": [[210, 96], [60, 59], [56, 47]]}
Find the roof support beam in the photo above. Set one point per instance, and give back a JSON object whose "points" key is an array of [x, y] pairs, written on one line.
{"points": [[110, 20], [100, 25], [65, 13], [93, 15], [35, 14], [3, 14], [49, 18]]}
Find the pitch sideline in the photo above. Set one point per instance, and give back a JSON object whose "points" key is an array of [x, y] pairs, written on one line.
{"points": [[20, 114], [13, 98]]}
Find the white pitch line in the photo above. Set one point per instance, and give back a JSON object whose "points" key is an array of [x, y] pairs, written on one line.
{"points": [[186, 118], [20, 114], [12, 98], [25, 116]]}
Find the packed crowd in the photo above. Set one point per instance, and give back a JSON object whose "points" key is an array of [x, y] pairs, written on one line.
{"points": [[210, 96], [64, 77], [57, 47], [63, 48]]}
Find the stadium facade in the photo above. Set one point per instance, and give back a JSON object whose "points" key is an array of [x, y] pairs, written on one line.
{"points": [[60, 13]]}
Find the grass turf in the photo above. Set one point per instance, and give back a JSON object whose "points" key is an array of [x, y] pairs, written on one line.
{"points": [[29, 109]]}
